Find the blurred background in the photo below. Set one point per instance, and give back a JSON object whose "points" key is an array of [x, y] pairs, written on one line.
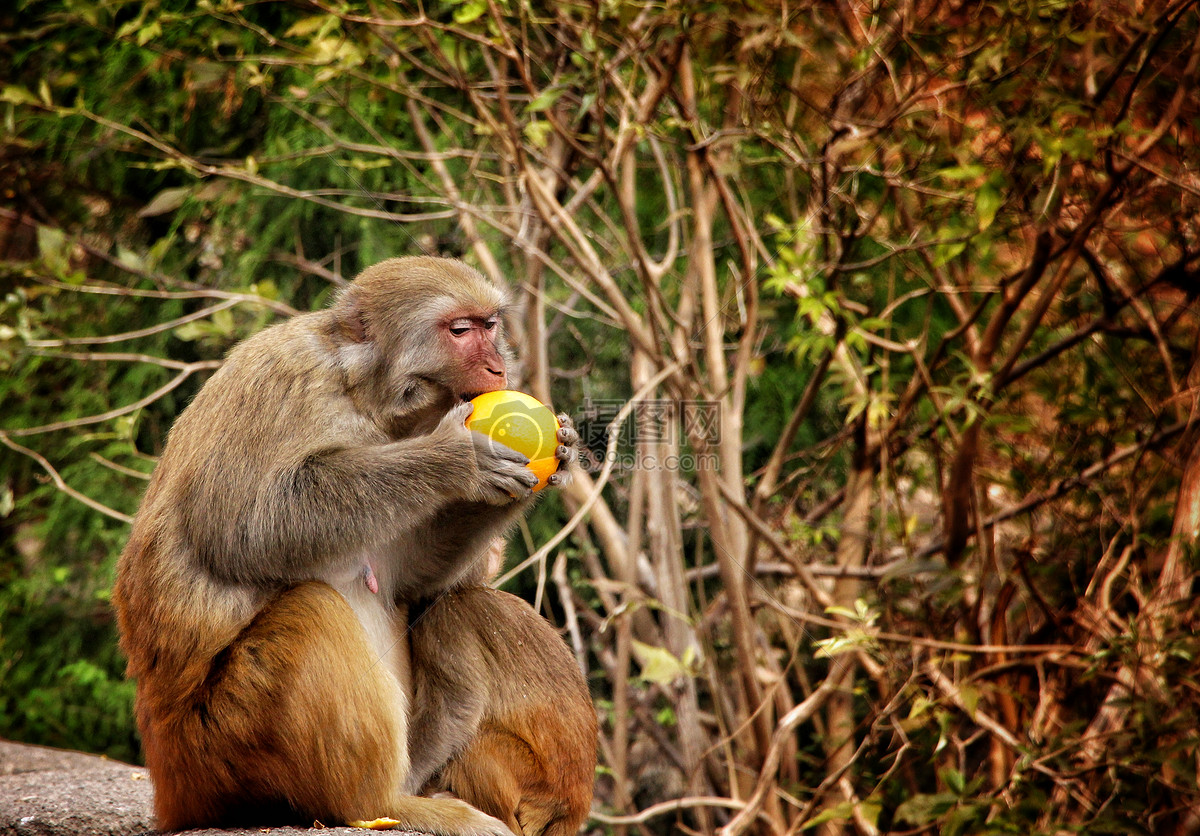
{"points": [[879, 320]]}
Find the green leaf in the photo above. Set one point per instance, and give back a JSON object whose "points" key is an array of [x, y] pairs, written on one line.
{"points": [[470, 11], [130, 26], [126, 425], [861, 614], [924, 809], [545, 99], [944, 253], [988, 201], [54, 249], [538, 133], [148, 33], [15, 94], [838, 812], [360, 164], [168, 200], [870, 809], [266, 288], [191, 331], [835, 646], [659, 665], [310, 25], [222, 322], [953, 779], [845, 811], [131, 259], [962, 172], [970, 698]]}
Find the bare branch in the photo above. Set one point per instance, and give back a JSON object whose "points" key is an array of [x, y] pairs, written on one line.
{"points": [[186, 371], [58, 480]]}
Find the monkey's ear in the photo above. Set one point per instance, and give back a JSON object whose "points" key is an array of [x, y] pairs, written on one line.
{"points": [[352, 324]]}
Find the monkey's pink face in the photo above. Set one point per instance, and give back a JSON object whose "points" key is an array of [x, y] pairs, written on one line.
{"points": [[474, 344]]}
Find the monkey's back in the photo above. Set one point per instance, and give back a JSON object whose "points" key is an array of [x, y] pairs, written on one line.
{"points": [[176, 594]]}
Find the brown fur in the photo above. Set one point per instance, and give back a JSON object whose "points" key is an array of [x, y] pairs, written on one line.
{"points": [[520, 747], [272, 683]]}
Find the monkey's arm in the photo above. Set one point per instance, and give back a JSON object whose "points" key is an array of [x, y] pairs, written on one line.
{"points": [[323, 505]]}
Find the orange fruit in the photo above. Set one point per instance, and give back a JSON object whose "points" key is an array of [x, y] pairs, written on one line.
{"points": [[522, 423]]}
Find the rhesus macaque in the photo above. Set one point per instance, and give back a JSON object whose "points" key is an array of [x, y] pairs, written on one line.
{"points": [[497, 694], [320, 482]]}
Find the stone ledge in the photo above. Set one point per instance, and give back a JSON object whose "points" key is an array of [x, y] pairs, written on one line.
{"points": [[53, 792]]}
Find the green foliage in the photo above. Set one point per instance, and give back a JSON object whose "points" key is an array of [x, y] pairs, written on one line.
{"points": [[62, 681]]}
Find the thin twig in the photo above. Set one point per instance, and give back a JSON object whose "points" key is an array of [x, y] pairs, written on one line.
{"points": [[59, 483]]}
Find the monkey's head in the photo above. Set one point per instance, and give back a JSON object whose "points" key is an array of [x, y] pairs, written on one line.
{"points": [[426, 332]]}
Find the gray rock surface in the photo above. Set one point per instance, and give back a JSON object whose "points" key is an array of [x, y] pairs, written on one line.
{"points": [[52, 792]]}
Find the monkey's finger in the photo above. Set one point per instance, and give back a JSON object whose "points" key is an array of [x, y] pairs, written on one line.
{"points": [[459, 413], [486, 448], [513, 477], [512, 489], [526, 477], [567, 435]]}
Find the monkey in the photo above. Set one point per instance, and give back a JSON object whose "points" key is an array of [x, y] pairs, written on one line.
{"points": [[520, 747], [318, 483]]}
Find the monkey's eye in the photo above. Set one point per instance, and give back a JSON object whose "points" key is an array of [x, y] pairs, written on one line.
{"points": [[491, 322], [459, 327]]}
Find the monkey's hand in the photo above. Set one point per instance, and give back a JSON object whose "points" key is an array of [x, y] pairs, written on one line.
{"points": [[566, 453], [499, 475], [503, 473]]}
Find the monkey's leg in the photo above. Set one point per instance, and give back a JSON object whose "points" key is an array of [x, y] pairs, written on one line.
{"points": [[296, 713], [501, 773], [488, 775]]}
